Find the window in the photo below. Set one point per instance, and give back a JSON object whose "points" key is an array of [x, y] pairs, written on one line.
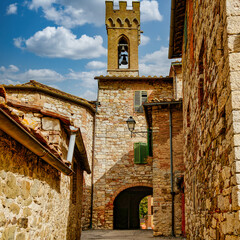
{"points": [[150, 150], [140, 153], [123, 56], [139, 98]]}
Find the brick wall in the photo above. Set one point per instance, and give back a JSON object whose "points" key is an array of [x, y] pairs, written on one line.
{"points": [[162, 199]]}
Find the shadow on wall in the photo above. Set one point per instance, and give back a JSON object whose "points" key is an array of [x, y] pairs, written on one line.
{"points": [[124, 174], [18, 160], [75, 204]]}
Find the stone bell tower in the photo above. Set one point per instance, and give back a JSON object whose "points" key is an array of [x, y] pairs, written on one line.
{"points": [[123, 29]]}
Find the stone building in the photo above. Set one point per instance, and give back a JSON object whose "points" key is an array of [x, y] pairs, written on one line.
{"points": [[123, 171], [206, 35], [40, 192]]}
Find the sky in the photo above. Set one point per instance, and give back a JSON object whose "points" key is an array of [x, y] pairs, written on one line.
{"points": [[63, 43]]}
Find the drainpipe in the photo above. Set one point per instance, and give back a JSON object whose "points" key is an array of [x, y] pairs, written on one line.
{"points": [[171, 162], [93, 156], [71, 143]]}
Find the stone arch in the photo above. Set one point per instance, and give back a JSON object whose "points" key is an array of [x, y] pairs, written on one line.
{"points": [[135, 22], [126, 186], [119, 23], [110, 22], [127, 23], [126, 206]]}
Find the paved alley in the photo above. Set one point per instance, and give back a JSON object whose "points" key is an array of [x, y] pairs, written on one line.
{"points": [[122, 234]]}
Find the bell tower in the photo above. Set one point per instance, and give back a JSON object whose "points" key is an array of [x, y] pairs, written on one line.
{"points": [[123, 29]]}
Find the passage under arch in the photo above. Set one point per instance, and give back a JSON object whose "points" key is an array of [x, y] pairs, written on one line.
{"points": [[126, 207]]}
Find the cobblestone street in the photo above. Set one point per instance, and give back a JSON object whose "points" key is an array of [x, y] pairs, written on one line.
{"points": [[123, 234]]}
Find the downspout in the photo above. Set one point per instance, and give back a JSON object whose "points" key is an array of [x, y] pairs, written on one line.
{"points": [[71, 143], [171, 164], [93, 156]]}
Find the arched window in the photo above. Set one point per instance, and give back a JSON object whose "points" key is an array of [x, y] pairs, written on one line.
{"points": [[127, 23], [123, 53], [110, 23]]}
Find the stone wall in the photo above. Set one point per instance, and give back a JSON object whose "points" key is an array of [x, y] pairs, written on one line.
{"points": [[53, 127], [114, 154], [211, 119], [162, 198], [34, 197]]}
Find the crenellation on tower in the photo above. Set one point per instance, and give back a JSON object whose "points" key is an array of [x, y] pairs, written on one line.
{"points": [[123, 29]]}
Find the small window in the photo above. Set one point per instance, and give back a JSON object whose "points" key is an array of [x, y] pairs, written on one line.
{"points": [[123, 53], [140, 153], [150, 147], [139, 98]]}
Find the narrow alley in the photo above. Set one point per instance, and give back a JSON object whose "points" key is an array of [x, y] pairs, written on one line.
{"points": [[123, 234]]}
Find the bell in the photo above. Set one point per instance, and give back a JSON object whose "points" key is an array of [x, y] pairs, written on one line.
{"points": [[123, 49], [124, 60]]}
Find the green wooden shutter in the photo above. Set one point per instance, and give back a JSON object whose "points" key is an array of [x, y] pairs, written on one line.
{"points": [[140, 153]]}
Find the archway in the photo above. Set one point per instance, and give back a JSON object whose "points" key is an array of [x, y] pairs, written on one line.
{"points": [[126, 207]]}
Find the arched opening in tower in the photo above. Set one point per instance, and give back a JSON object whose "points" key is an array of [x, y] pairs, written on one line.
{"points": [[126, 207], [123, 53]]}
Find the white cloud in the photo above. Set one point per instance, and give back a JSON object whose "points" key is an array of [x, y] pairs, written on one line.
{"points": [[158, 38], [12, 9], [86, 78], [156, 63], [150, 11], [96, 65], [13, 75], [144, 40], [13, 68], [72, 13], [90, 95], [35, 4], [62, 43]]}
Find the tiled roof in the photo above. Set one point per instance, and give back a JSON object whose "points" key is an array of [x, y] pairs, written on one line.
{"points": [[164, 100], [127, 77], [12, 113], [176, 28], [34, 85]]}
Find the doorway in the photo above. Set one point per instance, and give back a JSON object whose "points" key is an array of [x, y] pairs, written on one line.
{"points": [[126, 207]]}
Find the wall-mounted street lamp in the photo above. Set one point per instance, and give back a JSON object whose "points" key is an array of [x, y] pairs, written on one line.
{"points": [[131, 126]]}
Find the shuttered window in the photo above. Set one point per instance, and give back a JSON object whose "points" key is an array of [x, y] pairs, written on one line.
{"points": [[140, 97], [140, 153]]}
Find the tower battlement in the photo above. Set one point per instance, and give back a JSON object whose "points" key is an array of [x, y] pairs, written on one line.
{"points": [[123, 29], [122, 17]]}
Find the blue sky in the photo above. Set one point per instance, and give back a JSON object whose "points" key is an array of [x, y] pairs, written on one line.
{"points": [[63, 43]]}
